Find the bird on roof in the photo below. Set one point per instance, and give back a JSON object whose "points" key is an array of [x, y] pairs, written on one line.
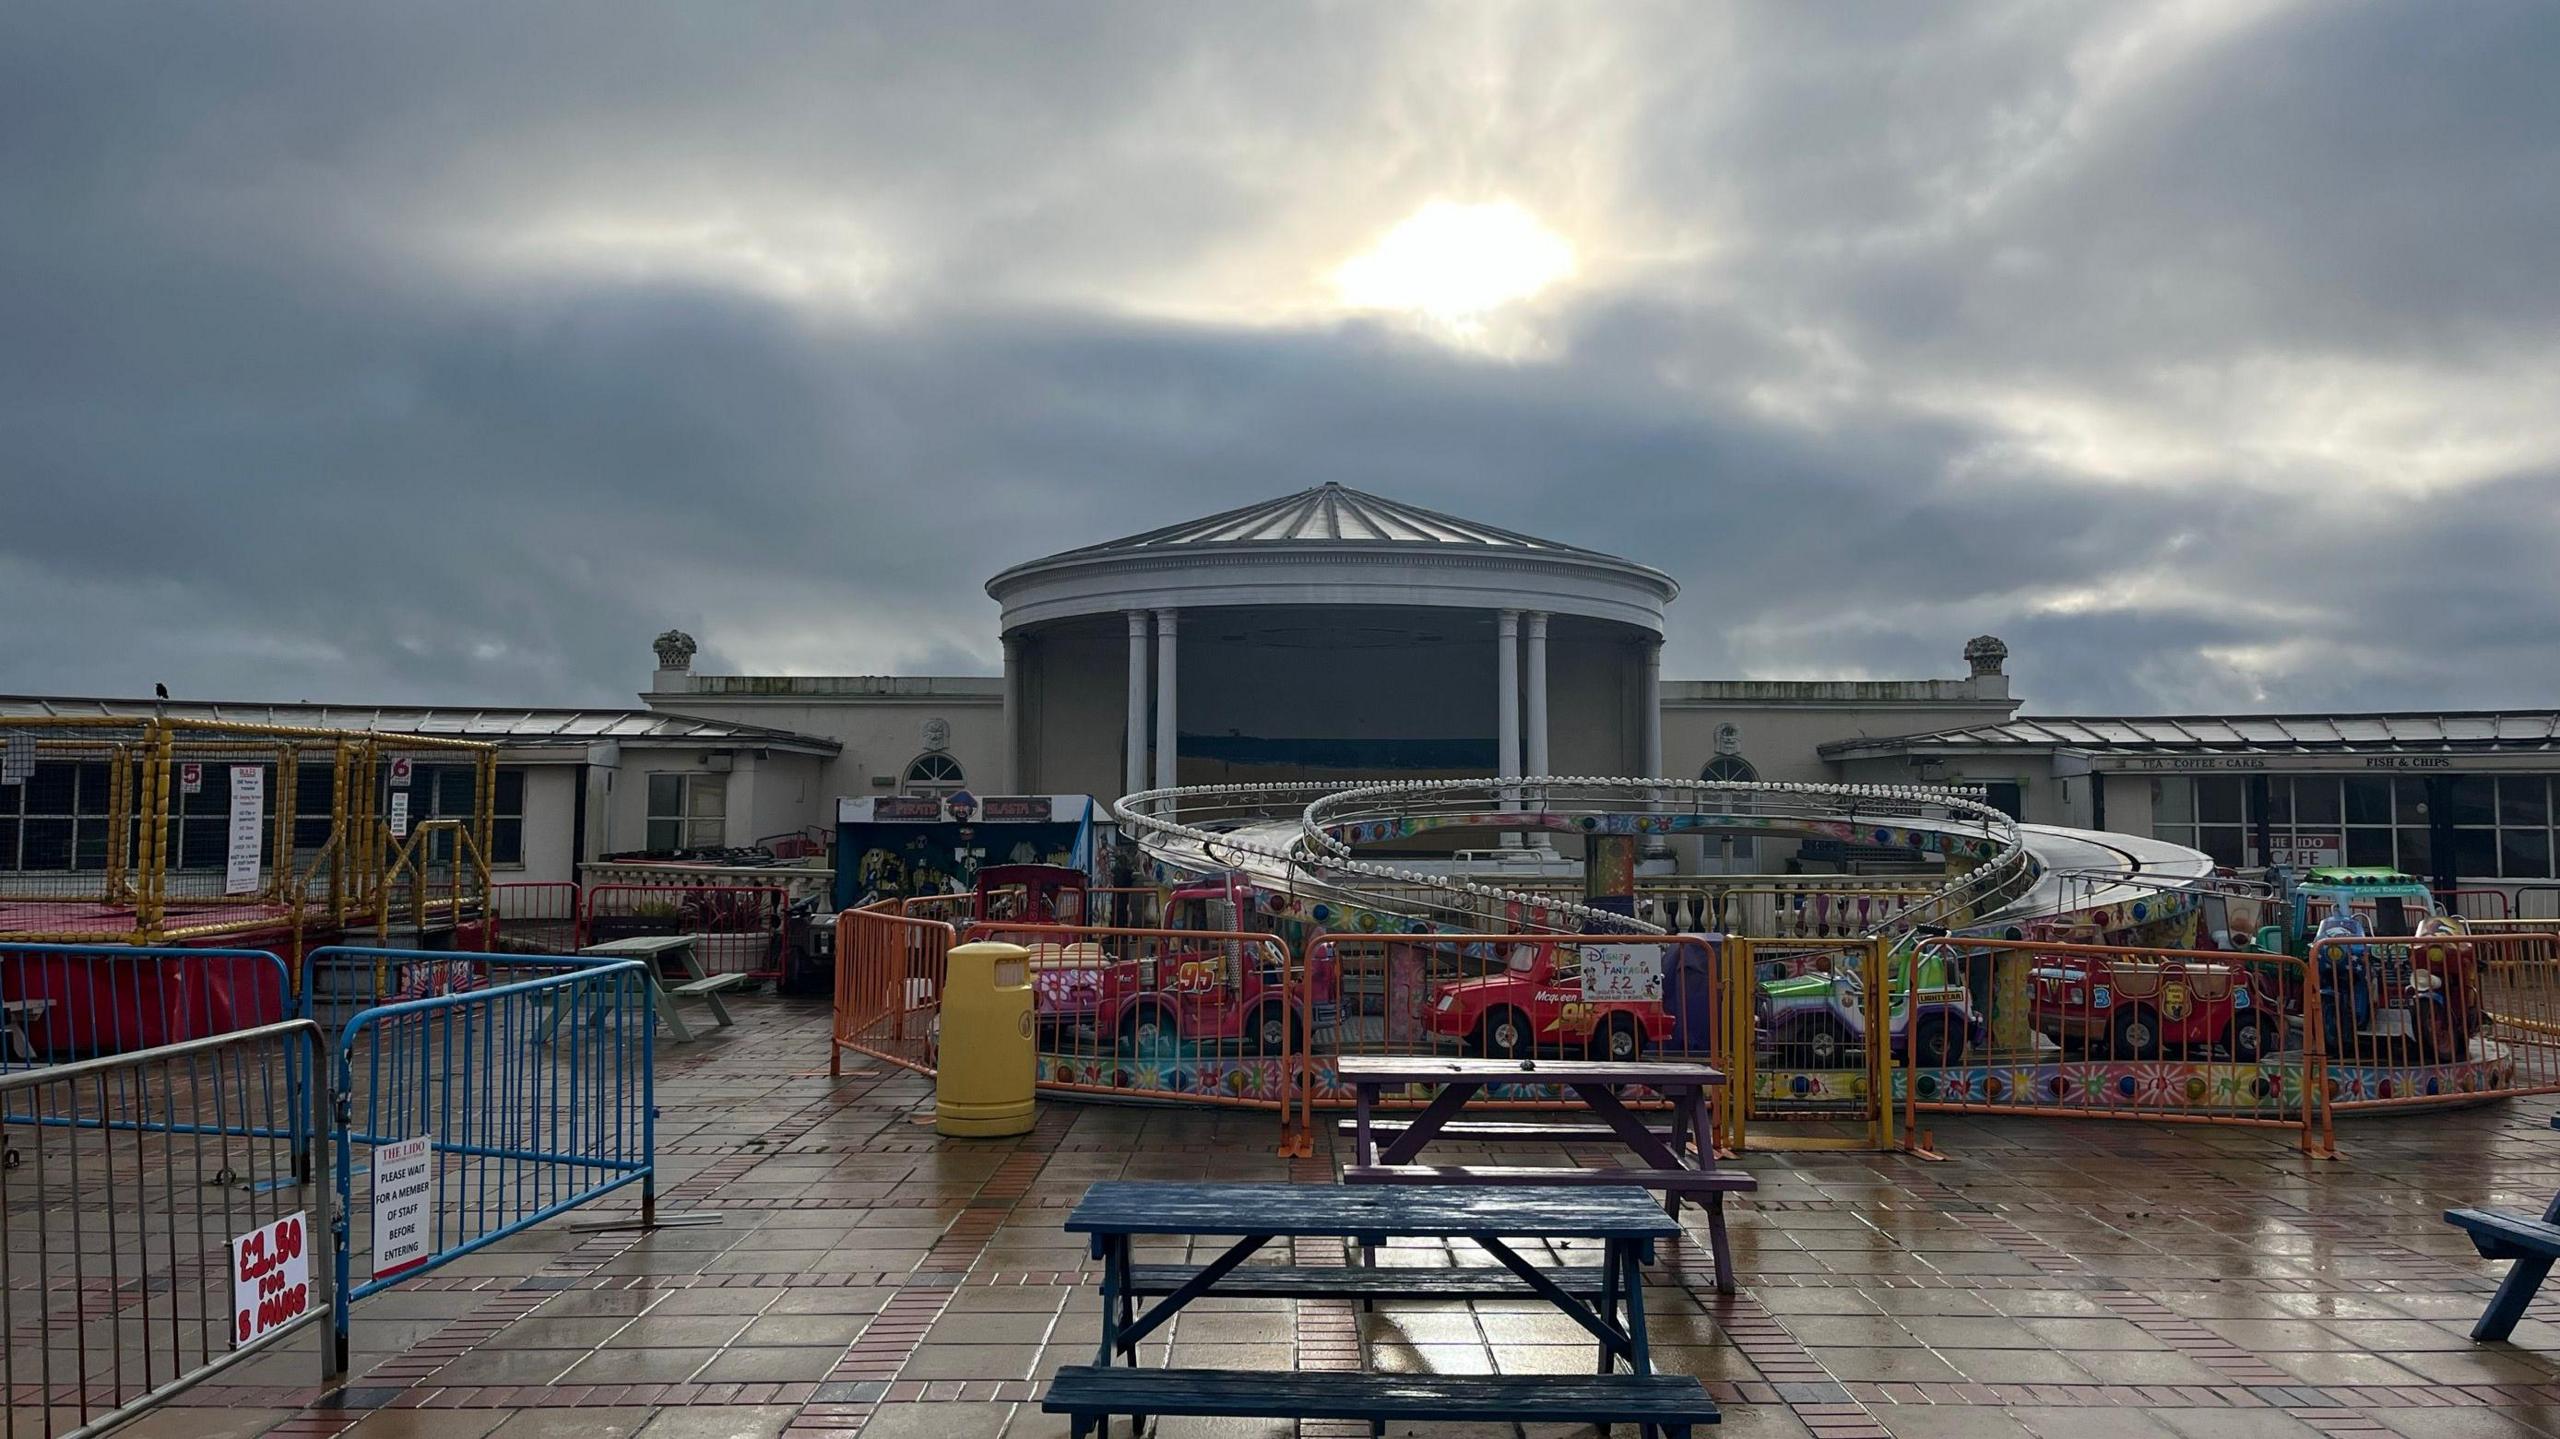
{"points": [[160, 691]]}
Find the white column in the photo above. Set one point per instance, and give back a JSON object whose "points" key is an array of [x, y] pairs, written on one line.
{"points": [[1537, 756], [1651, 729], [1652, 702], [1133, 775], [1011, 778], [1167, 706], [1506, 722]]}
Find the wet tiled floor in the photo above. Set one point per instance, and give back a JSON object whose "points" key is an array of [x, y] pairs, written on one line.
{"points": [[2059, 1280]]}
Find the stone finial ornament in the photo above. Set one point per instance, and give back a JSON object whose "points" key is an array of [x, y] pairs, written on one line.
{"points": [[675, 650], [1986, 653]]}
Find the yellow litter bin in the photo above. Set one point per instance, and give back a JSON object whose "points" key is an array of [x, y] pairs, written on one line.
{"points": [[982, 1082]]}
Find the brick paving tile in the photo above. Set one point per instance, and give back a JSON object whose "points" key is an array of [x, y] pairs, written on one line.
{"points": [[849, 1231]]}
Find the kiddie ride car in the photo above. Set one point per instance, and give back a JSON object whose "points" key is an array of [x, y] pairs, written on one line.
{"points": [[2400, 983], [1154, 994], [1543, 1000], [1816, 1017], [2138, 1007]]}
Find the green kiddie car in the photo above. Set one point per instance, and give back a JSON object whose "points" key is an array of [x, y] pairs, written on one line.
{"points": [[1817, 1018]]}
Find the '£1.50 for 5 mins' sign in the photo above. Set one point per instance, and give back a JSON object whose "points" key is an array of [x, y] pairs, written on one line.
{"points": [[270, 1279]]}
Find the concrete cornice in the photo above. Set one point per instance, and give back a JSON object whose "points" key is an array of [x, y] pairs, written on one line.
{"points": [[1368, 573]]}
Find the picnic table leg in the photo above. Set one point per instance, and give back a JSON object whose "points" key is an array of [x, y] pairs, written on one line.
{"points": [[1624, 1255], [1717, 1239], [666, 1005], [1443, 1107], [1364, 1151], [1631, 1131], [1679, 1147], [2512, 1297]]}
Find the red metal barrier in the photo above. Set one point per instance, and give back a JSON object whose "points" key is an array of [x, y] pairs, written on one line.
{"points": [[536, 917], [737, 928]]}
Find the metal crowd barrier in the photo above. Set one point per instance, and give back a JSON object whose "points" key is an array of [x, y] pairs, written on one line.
{"points": [[127, 1183], [1204, 1015], [62, 1001], [737, 928], [2097, 1032], [537, 917], [2453, 1016], [1506, 995], [889, 975], [479, 1113], [339, 980]]}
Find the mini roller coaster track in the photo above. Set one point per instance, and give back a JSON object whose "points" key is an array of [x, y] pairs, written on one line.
{"points": [[1304, 839]]}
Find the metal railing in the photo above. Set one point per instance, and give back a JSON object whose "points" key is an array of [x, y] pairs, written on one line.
{"points": [[2439, 1017], [536, 917], [63, 1001], [2110, 1032], [1527, 995], [127, 1182], [1207, 1015], [487, 1111], [890, 971], [736, 928]]}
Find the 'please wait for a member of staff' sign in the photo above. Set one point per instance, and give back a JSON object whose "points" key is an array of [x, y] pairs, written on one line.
{"points": [[403, 1181], [270, 1279]]}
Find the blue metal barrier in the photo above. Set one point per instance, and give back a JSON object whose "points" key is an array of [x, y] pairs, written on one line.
{"points": [[71, 1001], [536, 1097], [340, 979], [66, 1002]]}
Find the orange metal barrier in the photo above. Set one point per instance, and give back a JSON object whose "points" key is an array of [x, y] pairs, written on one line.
{"points": [[737, 928], [1812, 1043], [889, 976], [1202, 1015], [952, 909], [2100, 1032], [2442, 1017], [536, 918], [1504, 995]]}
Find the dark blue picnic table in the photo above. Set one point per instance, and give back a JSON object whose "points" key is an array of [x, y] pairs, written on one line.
{"points": [[2534, 1244], [1389, 1153], [1609, 1302]]}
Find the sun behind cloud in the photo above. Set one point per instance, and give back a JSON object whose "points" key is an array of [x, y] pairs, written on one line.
{"points": [[1455, 264]]}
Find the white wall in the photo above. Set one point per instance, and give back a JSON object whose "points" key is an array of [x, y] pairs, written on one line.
{"points": [[879, 719], [550, 822]]}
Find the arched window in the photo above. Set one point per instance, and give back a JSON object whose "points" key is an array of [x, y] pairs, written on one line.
{"points": [[933, 773], [1731, 769]]}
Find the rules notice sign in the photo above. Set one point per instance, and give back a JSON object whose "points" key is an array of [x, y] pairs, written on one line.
{"points": [[270, 1279], [399, 814], [248, 829], [403, 1183]]}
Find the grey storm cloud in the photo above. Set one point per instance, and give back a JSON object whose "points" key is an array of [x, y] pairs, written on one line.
{"points": [[2202, 350]]}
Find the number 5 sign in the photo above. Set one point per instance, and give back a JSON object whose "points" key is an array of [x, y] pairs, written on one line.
{"points": [[270, 1279]]}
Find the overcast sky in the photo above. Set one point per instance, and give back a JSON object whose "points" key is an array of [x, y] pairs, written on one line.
{"points": [[2207, 352]]}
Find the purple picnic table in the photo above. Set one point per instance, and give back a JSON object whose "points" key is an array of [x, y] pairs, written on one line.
{"points": [[1677, 1162]]}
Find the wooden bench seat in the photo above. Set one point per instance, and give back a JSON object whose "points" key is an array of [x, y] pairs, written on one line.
{"points": [[1666, 1402], [1273, 1281], [2500, 1235], [714, 984], [1500, 1132], [2532, 1243], [1677, 1181]]}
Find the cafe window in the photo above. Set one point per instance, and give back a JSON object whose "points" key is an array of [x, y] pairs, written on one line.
{"points": [[2501, 824], [687, 811]]}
